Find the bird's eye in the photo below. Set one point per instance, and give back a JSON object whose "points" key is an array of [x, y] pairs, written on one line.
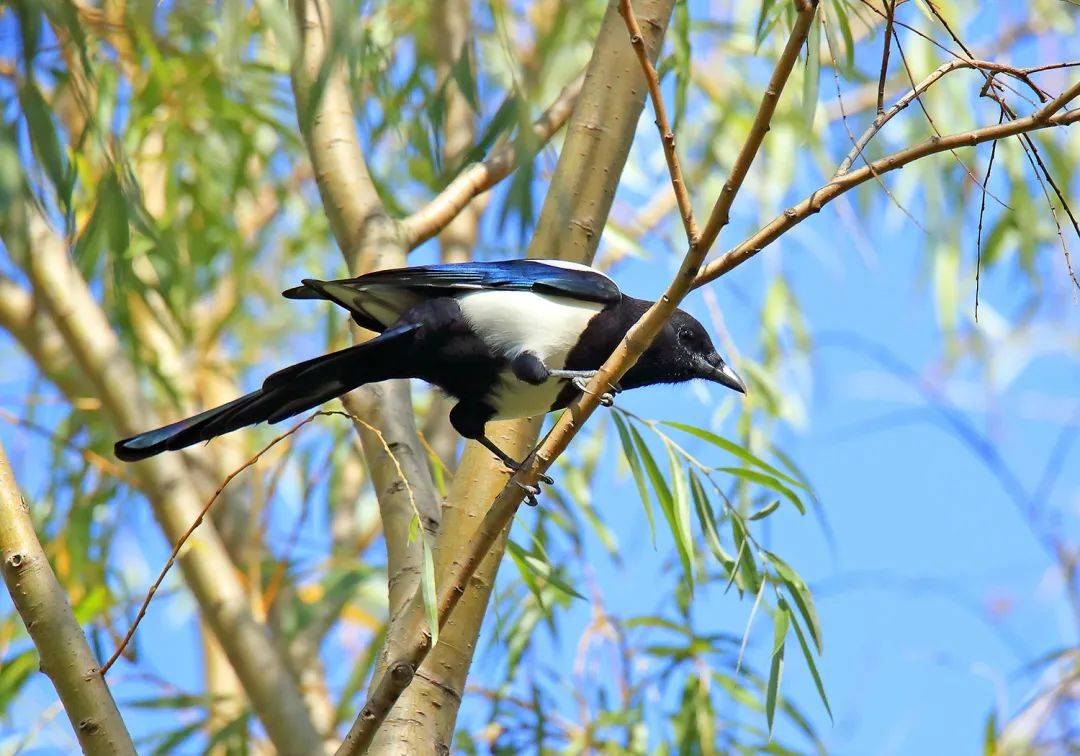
{"points": [[686, 335]]}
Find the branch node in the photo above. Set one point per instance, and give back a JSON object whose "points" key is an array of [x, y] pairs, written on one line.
{"points": [[402, 673]]}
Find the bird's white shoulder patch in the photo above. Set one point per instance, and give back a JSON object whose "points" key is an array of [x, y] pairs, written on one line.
{"points": [[568, 265], [512, 322]]}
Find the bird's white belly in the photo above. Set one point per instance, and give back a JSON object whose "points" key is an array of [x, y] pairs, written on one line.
{"points": [[513, 398], [512, 322]]}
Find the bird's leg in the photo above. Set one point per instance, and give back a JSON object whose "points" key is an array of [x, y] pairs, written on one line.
{"points": [[531, 369], [581, 378], [510, 462]]}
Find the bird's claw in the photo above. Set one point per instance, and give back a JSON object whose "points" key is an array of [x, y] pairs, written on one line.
{"points": [[607, 398], [531, 492]]}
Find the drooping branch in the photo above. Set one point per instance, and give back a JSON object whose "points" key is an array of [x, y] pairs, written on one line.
{"points": [[667, 136], [43, 605], [480, 177]]}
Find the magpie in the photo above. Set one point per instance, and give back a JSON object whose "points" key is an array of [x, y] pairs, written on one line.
{"points": [[506, 339]]}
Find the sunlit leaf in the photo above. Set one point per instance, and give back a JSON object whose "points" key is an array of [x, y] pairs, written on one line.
{"points": [[431, 598], [776, 671], [768, 481], [635, 468], [800, 594], [808, 655], [739, 451], [765, 511]]}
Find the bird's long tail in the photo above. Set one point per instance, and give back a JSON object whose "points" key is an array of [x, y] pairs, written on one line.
{"points": [[287, 392]]}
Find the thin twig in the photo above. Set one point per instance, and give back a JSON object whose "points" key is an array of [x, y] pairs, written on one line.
{"points": [[721, 212], [930, 119], [667, 136], [187, 534], [982, 212], [847, 127], [890, 12]]}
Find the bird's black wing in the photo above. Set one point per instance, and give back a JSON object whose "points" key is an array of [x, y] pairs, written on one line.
{"points": [[377, 296], [551, 277]]}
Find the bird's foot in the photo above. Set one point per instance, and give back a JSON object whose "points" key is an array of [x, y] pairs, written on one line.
{"points": [[509, 462], [581, 379], [531, 492]]}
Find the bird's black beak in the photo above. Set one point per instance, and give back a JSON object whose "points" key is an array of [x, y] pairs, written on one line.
{"points": [[713, 368]]}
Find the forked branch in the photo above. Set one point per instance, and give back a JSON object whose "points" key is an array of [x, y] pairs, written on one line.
{"points": [[402, 668]]}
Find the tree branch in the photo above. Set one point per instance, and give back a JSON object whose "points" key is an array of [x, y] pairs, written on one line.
{"points": [[839, 185], [914, 93], [480, 177], [720, 214], [667, 136], [43, 605]]}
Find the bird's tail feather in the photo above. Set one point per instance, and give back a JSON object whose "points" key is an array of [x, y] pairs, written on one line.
{"points": [[286, 393]]}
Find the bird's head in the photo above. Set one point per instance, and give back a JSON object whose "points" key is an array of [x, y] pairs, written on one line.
{"points": [[681, 352]]}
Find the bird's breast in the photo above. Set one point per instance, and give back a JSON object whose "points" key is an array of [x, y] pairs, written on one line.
{"points": [[513, 322]]}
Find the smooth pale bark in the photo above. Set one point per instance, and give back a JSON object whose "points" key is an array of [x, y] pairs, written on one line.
{"points": [[369, 239], [599, 135], [43, 605]]}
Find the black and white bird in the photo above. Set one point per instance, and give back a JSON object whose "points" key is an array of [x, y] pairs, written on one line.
{"points": [[507, 339]]}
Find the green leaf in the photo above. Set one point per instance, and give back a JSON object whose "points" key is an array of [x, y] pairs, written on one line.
{"points": [[44, 139], [747, 566], [765, 511], [800, 594], [990, 745], [749, 624], [809, 656], [849, 40], [682, 55], [414, 527], [431, 600], [780, 628], [530, 562], [666, 500], [776, 671], [462, 73], [737, 450], [635, 469], [708, 523], [762, 28], [681, 500], [768, 481]]}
